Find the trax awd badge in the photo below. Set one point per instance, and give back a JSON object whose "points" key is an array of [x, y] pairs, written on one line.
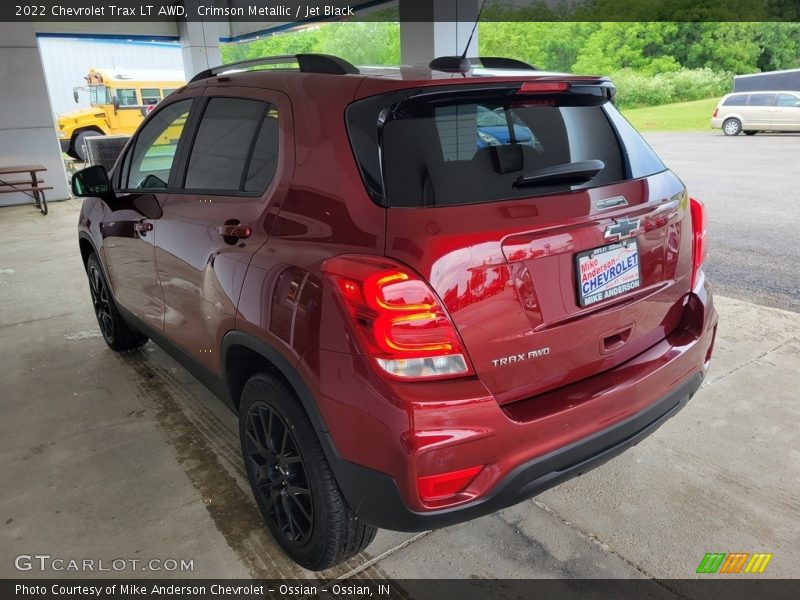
{"points": [[623, 229], [515, 358]]}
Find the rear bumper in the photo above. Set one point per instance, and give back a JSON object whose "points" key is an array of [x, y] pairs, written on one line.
{"points": [[382, 504], [525, 447]]}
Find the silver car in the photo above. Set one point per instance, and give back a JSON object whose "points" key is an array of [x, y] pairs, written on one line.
{"points": [[751, 112]]}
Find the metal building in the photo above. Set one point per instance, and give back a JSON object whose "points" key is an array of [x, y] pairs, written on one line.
{"points": [[786, 80], [66, 61]]}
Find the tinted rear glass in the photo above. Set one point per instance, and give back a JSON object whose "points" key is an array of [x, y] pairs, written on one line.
{"points": [[738, 100], [264, 161], [464, 148], [222, 144], [763, 99]]}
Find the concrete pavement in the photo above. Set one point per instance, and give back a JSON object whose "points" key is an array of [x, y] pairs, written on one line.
{"points": [[106, 456]]}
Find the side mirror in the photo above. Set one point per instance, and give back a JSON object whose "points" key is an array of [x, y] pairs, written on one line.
{"points": [[92, 182], [75, 95], [116, 103]]}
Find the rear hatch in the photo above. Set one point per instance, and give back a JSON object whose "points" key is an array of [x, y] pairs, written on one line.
{"points": [[560, 244]]}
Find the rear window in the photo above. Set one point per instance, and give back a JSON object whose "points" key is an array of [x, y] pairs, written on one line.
{"points": [[440, 149], [737, 100]]}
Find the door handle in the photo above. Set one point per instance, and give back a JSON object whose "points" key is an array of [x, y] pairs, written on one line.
{"points": [[143, 227], [238, 232]]}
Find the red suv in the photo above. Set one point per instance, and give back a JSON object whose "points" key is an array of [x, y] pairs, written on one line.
{"points": [[429, 292]]}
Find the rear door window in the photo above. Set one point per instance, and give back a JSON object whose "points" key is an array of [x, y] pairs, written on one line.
{"points": [[763, 99], [264, 162], [463, 150], [223, 143]]}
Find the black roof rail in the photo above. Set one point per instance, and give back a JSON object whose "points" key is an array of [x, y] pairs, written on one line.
{"points": [[458, 64], [307, 63]]}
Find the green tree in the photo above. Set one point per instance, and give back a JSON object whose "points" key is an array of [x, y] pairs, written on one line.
{"points": [[780, 45], [638, 46], [295, 42], [670, 10], [551, 46], [372, 43], [726, 47]]}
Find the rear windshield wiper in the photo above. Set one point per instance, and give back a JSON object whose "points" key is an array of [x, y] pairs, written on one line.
{"points": [[568, 173]]}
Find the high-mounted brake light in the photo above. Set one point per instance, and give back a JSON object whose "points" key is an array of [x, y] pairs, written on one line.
{"points": [[699, 237], [445, 485], [544, 87], [399, 320]]}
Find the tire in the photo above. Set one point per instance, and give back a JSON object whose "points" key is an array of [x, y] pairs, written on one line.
{"points": [[115, 330], [750, 132], [732, 127], [78, 150], [292, 481]]}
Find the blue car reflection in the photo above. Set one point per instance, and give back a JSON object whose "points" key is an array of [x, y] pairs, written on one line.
{"points": [[493, 130]]}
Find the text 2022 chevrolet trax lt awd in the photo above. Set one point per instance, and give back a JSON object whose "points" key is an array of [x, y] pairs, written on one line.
{"points": [[427, 294]]}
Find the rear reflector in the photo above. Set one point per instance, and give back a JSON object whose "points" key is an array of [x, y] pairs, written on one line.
{"points": [[543, 87], [398, 318], [699, 237], [445, 485]]}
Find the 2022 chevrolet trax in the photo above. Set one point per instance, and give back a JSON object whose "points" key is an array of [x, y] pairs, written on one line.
{"points": [[428, 292]]}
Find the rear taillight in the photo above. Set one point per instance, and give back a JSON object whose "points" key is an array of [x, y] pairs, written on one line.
{"points": [[399, 320], [699, 237], [716, 111], [445, 485]]}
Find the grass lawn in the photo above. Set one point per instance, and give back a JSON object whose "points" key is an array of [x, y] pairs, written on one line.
{"points": [[681, 116]]}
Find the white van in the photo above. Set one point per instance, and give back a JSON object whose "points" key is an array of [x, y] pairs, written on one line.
{"points": [[752, 112]]}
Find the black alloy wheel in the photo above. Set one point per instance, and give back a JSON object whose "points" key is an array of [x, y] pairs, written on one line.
{"points": [[101, 301], [279, 473], [292, 481], [116, 332]]}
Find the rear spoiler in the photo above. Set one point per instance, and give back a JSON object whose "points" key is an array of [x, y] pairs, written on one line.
{"points": [[549, 87], [462, 64]]}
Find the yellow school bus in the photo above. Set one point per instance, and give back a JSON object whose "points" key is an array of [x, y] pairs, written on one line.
{"points": [[119, 98]]}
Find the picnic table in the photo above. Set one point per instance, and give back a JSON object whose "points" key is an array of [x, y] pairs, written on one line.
{"points": [[29, 185]]}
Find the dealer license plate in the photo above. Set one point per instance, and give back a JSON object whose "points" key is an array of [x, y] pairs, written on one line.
{"points": [[607, 271]]}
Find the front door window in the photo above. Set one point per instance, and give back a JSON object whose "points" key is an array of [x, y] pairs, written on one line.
{"points": [[152, 159]]}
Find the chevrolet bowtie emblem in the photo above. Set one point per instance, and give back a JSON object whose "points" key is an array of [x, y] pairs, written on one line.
{"points": [[622, 228]]}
